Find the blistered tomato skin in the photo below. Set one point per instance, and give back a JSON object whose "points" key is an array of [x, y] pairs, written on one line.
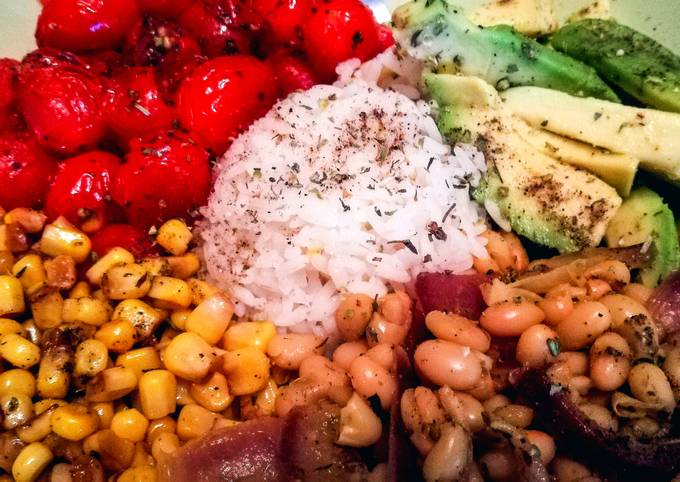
{"points": [[291, 73], [223, 96], [283, 19], [82, 187], [126, 236], [25, 171], [163, 177], [8, 97], [81, 25], [164, 8]]}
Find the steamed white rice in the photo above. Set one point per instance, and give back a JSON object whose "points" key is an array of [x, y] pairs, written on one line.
{"points": [[343, 188]]}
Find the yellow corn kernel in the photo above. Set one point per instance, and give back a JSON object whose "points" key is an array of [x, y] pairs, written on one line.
{"points": [[200, 290], [183, 395], [194, 421], [164, 444], [161, 425], [265, 402], [256, 334], [189, 356], [178, 318], [31, 331], [17, 381], [74, 422], [31, 272], [16, 409], [174, 236], [247, 370], [104, 411], [111, 384], [53, 376], [126, 282], [156, 266], [184, 266], [45, 404], [90, 311], [140, 360], [30, 220], [145, 318], [18, 351], [8, 325], [48, 310], [31, 461], [99, 295], [212, 393], [61, 237], [142, 458], [11, 296], [38, 428], [157, 393], [222, 422], [166, 338], [210, 319], [170, 293], [91, 357], [130, 424], [118, 336], [6, 260], [116, 257], [80, 290]]}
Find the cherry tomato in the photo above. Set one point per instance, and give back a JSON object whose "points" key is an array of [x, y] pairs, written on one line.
{"points": [[339, 30], [133, 106], [49, 57], [81, 25], [9, 118], [385, 38], [62, 106], [82, 187], [163, 177], [291, 73], [223, 96], [125, 236], [283, 19], [25, 171], [164, 8]]}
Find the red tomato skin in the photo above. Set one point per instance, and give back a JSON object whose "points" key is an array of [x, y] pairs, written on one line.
{"points": [[9, 117], [283, 19], [133, 105], [62, 107], [164, 8], [385, 38], [339, 30], [291, 73], [163, 177], [25, 171], [223, 96], [82, 25], [124, 236], [82, 187]]}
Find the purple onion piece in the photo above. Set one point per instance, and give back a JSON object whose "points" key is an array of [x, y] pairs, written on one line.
{"points": [[664, 304]]}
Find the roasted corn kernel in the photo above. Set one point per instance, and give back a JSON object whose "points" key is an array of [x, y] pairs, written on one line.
{"points": [[145, 318], [32, 460], [256, 334], [200, 290], [126, 282], [80, 290], [116, 257], [18, 351], [184, 266], [211, 318], [11, 296], [8, 325], [6, 260], [174, 236], [61, 272], [17, 409], [90, 311], [53, 376], [29, 269], [189, 356], [48, 310], [61, 237], [111, 384], [156, 266], [118, 336], [104, 411], [161, 425], [194, 421], [17, 381], [140, 360], [30, 220], [157, 393], [178, 318], [212, 393], [130, 424], [170, 293], [74, 422], [91, 357], [38, 428], [45, 404], [247, 370], [145, 473], [164, 444]]}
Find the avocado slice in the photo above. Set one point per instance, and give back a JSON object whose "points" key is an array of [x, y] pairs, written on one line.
{"points": [[645, 218], [438, 32], [638, 64]]}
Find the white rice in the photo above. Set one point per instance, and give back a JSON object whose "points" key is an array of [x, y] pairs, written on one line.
{"points": [[343, 188]]}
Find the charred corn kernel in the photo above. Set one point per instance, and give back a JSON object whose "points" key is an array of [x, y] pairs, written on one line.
{"points": [[256, 334], [30, 220], [104, 412], [31, 461], [247, 370], [184, 266], [18, 351], [130, 424], [126, 282], [45, 404], [189, 356], [200, 290], [194, 421], [212, 393], [80, 290], [11, 296], [139, 474], [16, 408], [30, 270], [10, 326], [118, 336], [90, 311], [210, 319], [91, 357], [17, 381], [174, 236], [38, 428], [159, 426], [140, 360], [61, 237], [116, 257], [145, 318], [111, 384], [170, 293], [156, 266], [48, 310], [164, 444], [157, 393], [74, 422], [178, 318], [6, 260], [53, 377]]}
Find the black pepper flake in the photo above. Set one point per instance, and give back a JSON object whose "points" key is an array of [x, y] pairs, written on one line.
{"points": [[448, 211], [345, 207], [377, 210], [405, 242]]}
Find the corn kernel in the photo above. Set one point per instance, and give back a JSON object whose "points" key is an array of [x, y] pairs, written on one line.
{"points": [[160, 425], [80, 290], [145, 318], [31, 272], [170, 293], [31, 331], [211, 318], [194, 421], [6, 260], [61, 272], [164, 444], [126, 282], [222, 422], [178, 318], [189, 356], [129, 424], [139, 474], [140, 360], [47, 310], [174, 236], [8, 325], [45, 404], [184, 266], [142, 458], [116, 257], [200, 290], [183, 395], [247, 370], [212, 393], [61, 237], [31, 461], [157, 393], [19, 351], [256, 334], [99, 295], [74, 422], [104, 411], [166, 338], [53, 376], [17, 409], [11, 296], [118, 336], [17, 381], [86, 310], [116, 454], [91, 357], [30, 220], [38, 428], [111, 384], [156, 266]]}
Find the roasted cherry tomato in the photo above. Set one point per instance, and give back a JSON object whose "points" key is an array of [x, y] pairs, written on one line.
{"points": [[82, 188], [291, 73], [223, 96], [133, 239], [133, 106], [62, 105], [81, 25], [385, 38], [25, 171], [339, 30], [163, 177], [283, 19], [9, 117], [164, 8]]}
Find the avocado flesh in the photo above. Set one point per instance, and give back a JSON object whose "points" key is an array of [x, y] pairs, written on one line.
{"points": [[639, 65], [645, 218], [652, 136], [437, 32]]}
